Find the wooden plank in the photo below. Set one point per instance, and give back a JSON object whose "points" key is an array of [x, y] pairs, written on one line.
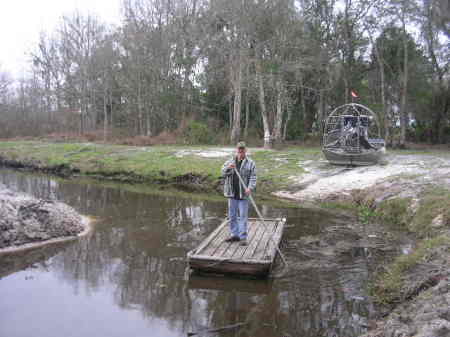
{"points": [[229, 252], [228, 249], [222, 248], [212, 259], [227, 267], [256, 240], [269, 254], [221, 243], [211, 237], [273, 244], [251, 237], [236, 251], [262, 253], [239, 251], [219, 239], [265, 219], [268, 233], [271, 248]]}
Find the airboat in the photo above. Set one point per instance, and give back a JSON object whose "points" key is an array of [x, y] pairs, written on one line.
{"points": [[352, 136]]}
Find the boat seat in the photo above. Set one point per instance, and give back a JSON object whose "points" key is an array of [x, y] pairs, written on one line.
{"points": [[376, 141]]}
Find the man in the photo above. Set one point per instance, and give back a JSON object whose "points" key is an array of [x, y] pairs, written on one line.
{"points": [[237, 194]]}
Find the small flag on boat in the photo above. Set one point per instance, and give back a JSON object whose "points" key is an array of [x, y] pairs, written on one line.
{"points": [[354, 94]]}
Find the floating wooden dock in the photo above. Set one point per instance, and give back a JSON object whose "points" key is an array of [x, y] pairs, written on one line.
{"points": [[256, 259]]}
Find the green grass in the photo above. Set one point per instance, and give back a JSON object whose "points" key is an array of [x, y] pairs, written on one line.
{"points": [[389, 285], [340, 205], [394, 212], [434, 202], [155, 163], [366, 214], [277, 166]]}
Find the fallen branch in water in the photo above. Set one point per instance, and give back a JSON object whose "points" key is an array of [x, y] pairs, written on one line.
{"points": [[228, 327]]}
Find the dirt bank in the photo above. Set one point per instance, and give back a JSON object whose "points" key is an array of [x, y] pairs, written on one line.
{"points": [[27, 222], [411, 192]]}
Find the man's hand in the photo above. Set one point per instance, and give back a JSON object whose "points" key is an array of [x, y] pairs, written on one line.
{"points": [[232, 166], [248, 191]]}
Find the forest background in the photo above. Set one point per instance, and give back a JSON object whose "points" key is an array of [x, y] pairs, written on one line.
{"points": [[215, 72]]}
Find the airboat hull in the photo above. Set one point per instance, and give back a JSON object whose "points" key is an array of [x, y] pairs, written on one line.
{"points": [[340, 157]]}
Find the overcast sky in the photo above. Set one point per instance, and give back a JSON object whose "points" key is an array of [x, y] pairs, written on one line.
{"points": [[21, 21]]}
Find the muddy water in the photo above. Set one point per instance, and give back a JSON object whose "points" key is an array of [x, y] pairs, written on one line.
{"points": [[128, 277]]}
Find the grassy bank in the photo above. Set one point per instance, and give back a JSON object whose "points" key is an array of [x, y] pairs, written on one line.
{"points": [[425, 218], [180, 166], [428, 220]]}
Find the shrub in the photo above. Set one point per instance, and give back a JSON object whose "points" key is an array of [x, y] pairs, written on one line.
{"points": [[395, 212], [197, 133]]}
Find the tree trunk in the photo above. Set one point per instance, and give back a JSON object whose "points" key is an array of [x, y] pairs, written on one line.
{"points": [[288, 119], [185, 108], [279, 114], [267, 137], [302, 112], [236, 79], [139, 103], [111, 121], [230, 111], [247, 114], [404, 90], [320, 114], [148, 116], [81, 121], [247, 102], [105, 113], [384, 114]]}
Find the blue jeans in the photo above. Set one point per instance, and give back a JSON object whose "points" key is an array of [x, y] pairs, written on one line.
{"points": [[238, 225]]}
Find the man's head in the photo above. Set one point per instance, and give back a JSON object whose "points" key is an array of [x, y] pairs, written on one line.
{"points": [[241, 150]]}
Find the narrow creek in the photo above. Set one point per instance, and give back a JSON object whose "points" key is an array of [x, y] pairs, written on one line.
{"points": [[128, 277]]}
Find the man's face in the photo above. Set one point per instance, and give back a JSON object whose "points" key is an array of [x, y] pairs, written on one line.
{"points": [[240, 153]]}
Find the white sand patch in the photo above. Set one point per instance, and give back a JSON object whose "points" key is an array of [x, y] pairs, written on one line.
{"points": [[215, 154], [212, 153], [322, 179]]}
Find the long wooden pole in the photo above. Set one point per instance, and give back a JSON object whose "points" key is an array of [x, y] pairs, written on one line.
{"points": [[260, 216]]}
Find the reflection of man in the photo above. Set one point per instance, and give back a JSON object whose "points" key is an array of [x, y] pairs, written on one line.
{"points": [[237, 193]]}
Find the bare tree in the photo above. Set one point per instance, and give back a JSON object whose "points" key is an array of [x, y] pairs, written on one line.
{"points": [[371, 26], [5, 83], [80, 36], [432, 23], [285, 63]]}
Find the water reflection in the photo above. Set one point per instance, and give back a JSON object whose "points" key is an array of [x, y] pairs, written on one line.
{"points": [[131, 269]]}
